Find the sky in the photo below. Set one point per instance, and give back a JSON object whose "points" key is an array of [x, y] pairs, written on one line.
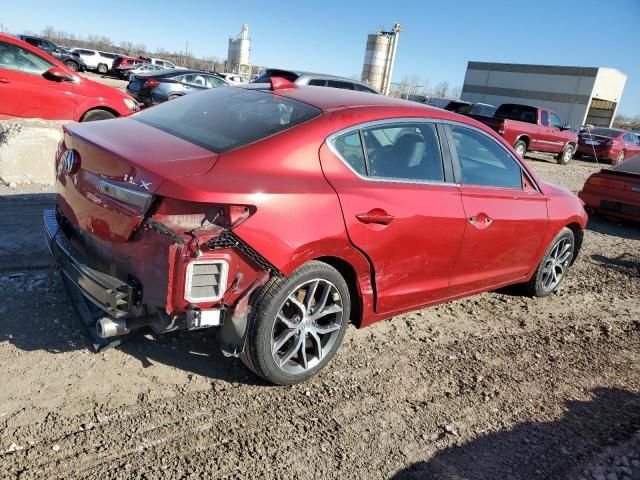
{"points": [[438, 38]]}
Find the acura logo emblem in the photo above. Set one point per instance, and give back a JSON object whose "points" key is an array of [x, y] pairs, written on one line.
{"points": [[70, 162]]}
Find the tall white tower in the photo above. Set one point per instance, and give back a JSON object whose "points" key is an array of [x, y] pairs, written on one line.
{"points": [[239, 48], [380, 57]]}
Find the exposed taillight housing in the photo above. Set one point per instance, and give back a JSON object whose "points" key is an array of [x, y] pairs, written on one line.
{"points": [[206, 280], [610, 143], [151, 83]]}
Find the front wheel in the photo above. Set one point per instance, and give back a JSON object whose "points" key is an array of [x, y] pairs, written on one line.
{"points": [[297, 324], [554, 265], [566, 155], [72, 65], [95, 115]]}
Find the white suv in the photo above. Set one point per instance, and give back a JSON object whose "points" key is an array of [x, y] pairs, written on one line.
{"points": [[163, 63], [96, 60]]}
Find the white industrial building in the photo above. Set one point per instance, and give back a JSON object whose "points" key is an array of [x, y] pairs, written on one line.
{"points": [[580, 95], [380, 57]]}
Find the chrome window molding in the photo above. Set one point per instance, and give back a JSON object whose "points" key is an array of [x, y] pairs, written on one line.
{"points": [[330, 140]]}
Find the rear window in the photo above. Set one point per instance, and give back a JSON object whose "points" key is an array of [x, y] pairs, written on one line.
{"points": [[522, 113], [223, 119], [603, 132]]}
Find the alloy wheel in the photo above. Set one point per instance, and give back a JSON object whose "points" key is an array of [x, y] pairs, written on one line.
{"points": [[306, 326], [556, 264], [520, 150], [620, 158], [567, 155]]}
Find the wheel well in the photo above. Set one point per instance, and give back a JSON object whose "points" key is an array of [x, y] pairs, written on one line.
{"points": [[525, 139], [106, 109], [578, 235], [350, 276]]}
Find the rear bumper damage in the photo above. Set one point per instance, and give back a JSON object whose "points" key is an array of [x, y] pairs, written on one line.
{"points": [[112, 303]]}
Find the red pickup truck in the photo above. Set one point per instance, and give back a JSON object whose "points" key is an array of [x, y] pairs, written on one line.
{"points": [[533, 129]]}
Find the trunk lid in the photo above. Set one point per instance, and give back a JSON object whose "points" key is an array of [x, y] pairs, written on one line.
{"points": [[119, 165]]}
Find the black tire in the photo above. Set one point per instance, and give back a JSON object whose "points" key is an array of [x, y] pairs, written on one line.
{"points": [[619, 158], [564, 157], [521, 145], [536, 286], [72, 65], [260, 350], [95, 115], [102, 68]]}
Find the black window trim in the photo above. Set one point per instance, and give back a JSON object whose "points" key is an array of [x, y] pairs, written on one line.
{"points": [[32, 53], [458, 169], [449, 179]]}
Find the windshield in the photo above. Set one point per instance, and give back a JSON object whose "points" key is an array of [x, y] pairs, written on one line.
{"points": [[223, 119], [603, 132]]}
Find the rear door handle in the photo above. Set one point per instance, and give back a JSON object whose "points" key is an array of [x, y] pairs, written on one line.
{"points": [[377, 215], [4, 80], [481, 220]]}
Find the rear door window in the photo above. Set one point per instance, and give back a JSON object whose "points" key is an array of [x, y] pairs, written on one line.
{"points": [[544, 118], [317, 82], [407, 151], [222, 119], [483, 161], [340, 84]]}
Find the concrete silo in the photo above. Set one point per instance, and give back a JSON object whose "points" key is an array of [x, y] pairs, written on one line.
{"points": [[380, 57], [239, 47]]}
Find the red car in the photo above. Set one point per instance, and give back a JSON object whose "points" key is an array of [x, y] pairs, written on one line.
{"points": [[533, 129], [36, 85], [608, 144], [615, 191], [281, 215], [122, 65]]}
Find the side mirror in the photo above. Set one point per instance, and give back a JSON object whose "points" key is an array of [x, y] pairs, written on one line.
{"points": [[56, 74], [566, 126]]}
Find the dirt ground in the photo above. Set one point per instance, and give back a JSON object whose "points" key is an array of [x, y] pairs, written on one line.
{"points": [[494, 386]]}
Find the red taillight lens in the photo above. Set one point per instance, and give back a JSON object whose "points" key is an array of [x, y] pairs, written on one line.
{"points": [[601, 181], [151, 84]]}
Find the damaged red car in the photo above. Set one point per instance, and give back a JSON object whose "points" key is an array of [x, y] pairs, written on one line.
{"points": [[279, 214]]}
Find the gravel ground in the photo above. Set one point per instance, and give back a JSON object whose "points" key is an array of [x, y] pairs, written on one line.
{"points": [[494, 386]]}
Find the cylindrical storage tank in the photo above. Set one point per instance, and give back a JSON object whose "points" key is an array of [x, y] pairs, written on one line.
{"points": [[375, 60], [239, 48]]}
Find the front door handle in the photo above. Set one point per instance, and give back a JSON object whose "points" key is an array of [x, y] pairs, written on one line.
{"points": [[4, 80], [377, 215], [481, 220]]}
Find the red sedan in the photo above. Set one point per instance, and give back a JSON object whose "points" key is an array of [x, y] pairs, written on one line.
{"points": [[615, 192], [608, 144], [36, 85], [280, 215]]}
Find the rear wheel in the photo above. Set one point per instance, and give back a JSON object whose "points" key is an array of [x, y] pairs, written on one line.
{"points": [[619, 158], [297, 324], [566, 155], [94, 115], [554, 265], [173, 97], [102, 68], [520, 148], [72, 65]]}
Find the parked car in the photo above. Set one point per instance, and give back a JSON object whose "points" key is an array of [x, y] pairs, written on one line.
{"points": [[122, 65], [281, 215], [74, 62], [162, 63], [468, 108], [615, 191], [145, 68], [314, 79], [608, 144], [157, 87], [34, 84], [533, 129], [96, 60], [234, 78]]}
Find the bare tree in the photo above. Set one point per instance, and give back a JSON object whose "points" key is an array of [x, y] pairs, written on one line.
{"points": [[455, 92], [3, 29], [441, 89]]}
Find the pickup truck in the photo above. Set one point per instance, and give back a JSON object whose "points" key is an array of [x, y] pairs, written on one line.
{"points": [[533, 129]]}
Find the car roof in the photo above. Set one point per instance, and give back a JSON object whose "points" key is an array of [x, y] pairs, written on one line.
{"points": [[325, 76]]}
